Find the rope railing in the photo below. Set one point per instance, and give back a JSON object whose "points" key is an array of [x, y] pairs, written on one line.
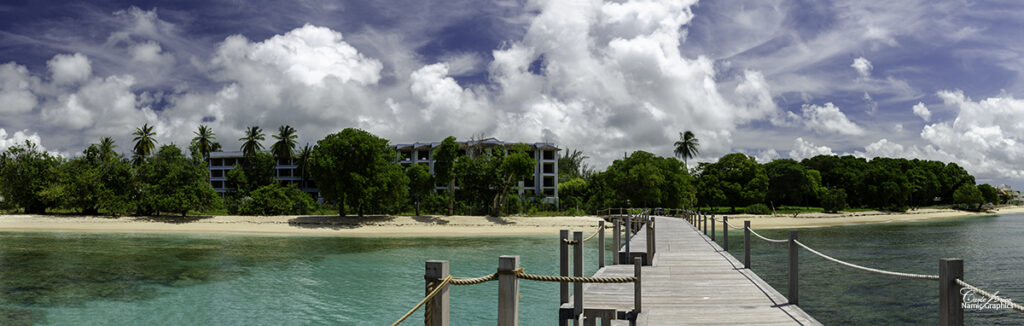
{"points": [[867, 269], [593, 235], [991, 296], [767, 239], [437, 289], [733, 227]]}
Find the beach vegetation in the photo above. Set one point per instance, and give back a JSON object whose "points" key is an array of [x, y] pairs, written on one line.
{"points": [[968, 197], [356, 169], [444, 168], [421, 184], [145, 143]]}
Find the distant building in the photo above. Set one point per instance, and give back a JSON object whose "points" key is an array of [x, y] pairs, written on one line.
{"points": [[285, 172], [1014, 195], [543, 184]]}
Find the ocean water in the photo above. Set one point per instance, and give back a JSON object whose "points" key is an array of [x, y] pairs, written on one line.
{"points": [[992, 248], [166, 279], [169, 279]]}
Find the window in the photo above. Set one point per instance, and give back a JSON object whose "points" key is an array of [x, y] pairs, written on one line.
{"points": [[217, 174], [549, 192], [284, 172], [549, 181], [549, 168], [423, 155], [217, 162], [218, 184], [549, 155], [529, 183]]}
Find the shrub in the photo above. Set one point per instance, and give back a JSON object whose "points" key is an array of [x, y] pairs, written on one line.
{"points": [[757, 209], [276, 200], [833, 200], [968, 197]]}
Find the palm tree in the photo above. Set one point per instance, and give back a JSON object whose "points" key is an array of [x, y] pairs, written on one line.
{"points": [[107, 148], [205, 140], [251, 142], [303, 163], [285, 145], [687, 146], [144, 143]]}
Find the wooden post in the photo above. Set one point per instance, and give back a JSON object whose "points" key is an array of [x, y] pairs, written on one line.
{"points": [[508, 291], [436, 270], [563, 266], [616, 240], [725, 232], [629, 233], [637, 285], [650, 241], [704, 223], [600, 244], [712, 228], [746, 244], [794, 271], [577, 270], [951, 310]]}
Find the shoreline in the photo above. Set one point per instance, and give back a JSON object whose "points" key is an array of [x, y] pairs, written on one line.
{"points": [[427, 226]]}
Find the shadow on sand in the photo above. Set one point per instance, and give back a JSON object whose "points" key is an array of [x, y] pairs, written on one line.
{"points": [[430, 220], [172, 219], [337, 222]]}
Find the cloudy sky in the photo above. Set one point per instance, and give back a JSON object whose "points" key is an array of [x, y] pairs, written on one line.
{"points": [[774, 79]]}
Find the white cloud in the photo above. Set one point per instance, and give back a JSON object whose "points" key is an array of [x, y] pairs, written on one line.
{"points": [[922, 111], [823, 119], [151, 53], [863, 66], [16, 89], [69, 69], [766, 156], [18, 138], [804, 149]]}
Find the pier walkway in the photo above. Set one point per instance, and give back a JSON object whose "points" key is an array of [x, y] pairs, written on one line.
{"points": [[692, 281]]}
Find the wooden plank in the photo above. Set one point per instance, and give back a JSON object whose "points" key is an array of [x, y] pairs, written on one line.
{"points": [[692, 281]]}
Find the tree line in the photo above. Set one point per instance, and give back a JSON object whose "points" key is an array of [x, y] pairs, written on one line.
{"points": [[355, 171]]}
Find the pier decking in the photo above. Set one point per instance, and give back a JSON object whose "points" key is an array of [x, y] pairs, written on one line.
{"points": [[692, 281]]}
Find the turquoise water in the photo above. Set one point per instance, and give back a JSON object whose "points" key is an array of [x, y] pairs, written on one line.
{"points": [[992, 248], [143, 279], [104, 279]]}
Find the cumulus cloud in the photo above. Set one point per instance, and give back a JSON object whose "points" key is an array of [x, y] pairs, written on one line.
{"points": [[922, 111], [863, 66], [69, 69], [822, 119], [16, 89], [18, 138], [804, 149]]}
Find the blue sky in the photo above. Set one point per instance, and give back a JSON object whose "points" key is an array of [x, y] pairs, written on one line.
{"points": [[774, 79]]}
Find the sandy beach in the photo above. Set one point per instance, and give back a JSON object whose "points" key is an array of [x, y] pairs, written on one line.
{"points": [[429, 226]]}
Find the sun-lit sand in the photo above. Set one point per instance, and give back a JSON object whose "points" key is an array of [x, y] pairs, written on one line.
{"points": [[429, 226]]}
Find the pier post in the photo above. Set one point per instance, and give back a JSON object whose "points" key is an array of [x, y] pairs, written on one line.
{"points": [[563, 265], [746, 244], [637, 286], [712, 228], [649, 228], [629, 233], [600, 244], [436, 311], [725, 232], [577, 270], [616, 240], [951, 310], [794, 272], [508, 291], [704, 223]]}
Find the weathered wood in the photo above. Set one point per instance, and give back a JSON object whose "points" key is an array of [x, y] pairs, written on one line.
{"points": [[629, 234], [637, 286], [508, 291], [712, 228], [563, 265], [746, 244], [617, 241], [794, 269], [600, 244], [951, 311], [577, 270], [725, 233], [436, 312]]}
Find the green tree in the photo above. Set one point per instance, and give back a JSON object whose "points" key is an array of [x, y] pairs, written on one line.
{"points": [[251, 142], [144, 143], [571, 166], [968, 196], [742, 181], [647, 180], [173, 183], [687, 146], [444, 168], [205, 141], [106, 148], [273, 199], [833, 200], [302, 164], [515, 166], [25, 171], [989, 193], [285, 145], [421, 183], [355, 168], [790, 183]]}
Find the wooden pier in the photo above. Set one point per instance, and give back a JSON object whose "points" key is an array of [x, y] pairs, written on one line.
{"points": [[691, 281]]}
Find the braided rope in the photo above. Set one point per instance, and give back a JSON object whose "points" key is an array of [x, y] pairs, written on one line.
{"points": [[868, 269], [429, 296], [592, 235], [991, 296], [474, 280], [547, 278], [733, 227], [767, 239]]}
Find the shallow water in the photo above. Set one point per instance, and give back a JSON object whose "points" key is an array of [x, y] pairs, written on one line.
{"points": [[143, 279], [992, 248]]}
